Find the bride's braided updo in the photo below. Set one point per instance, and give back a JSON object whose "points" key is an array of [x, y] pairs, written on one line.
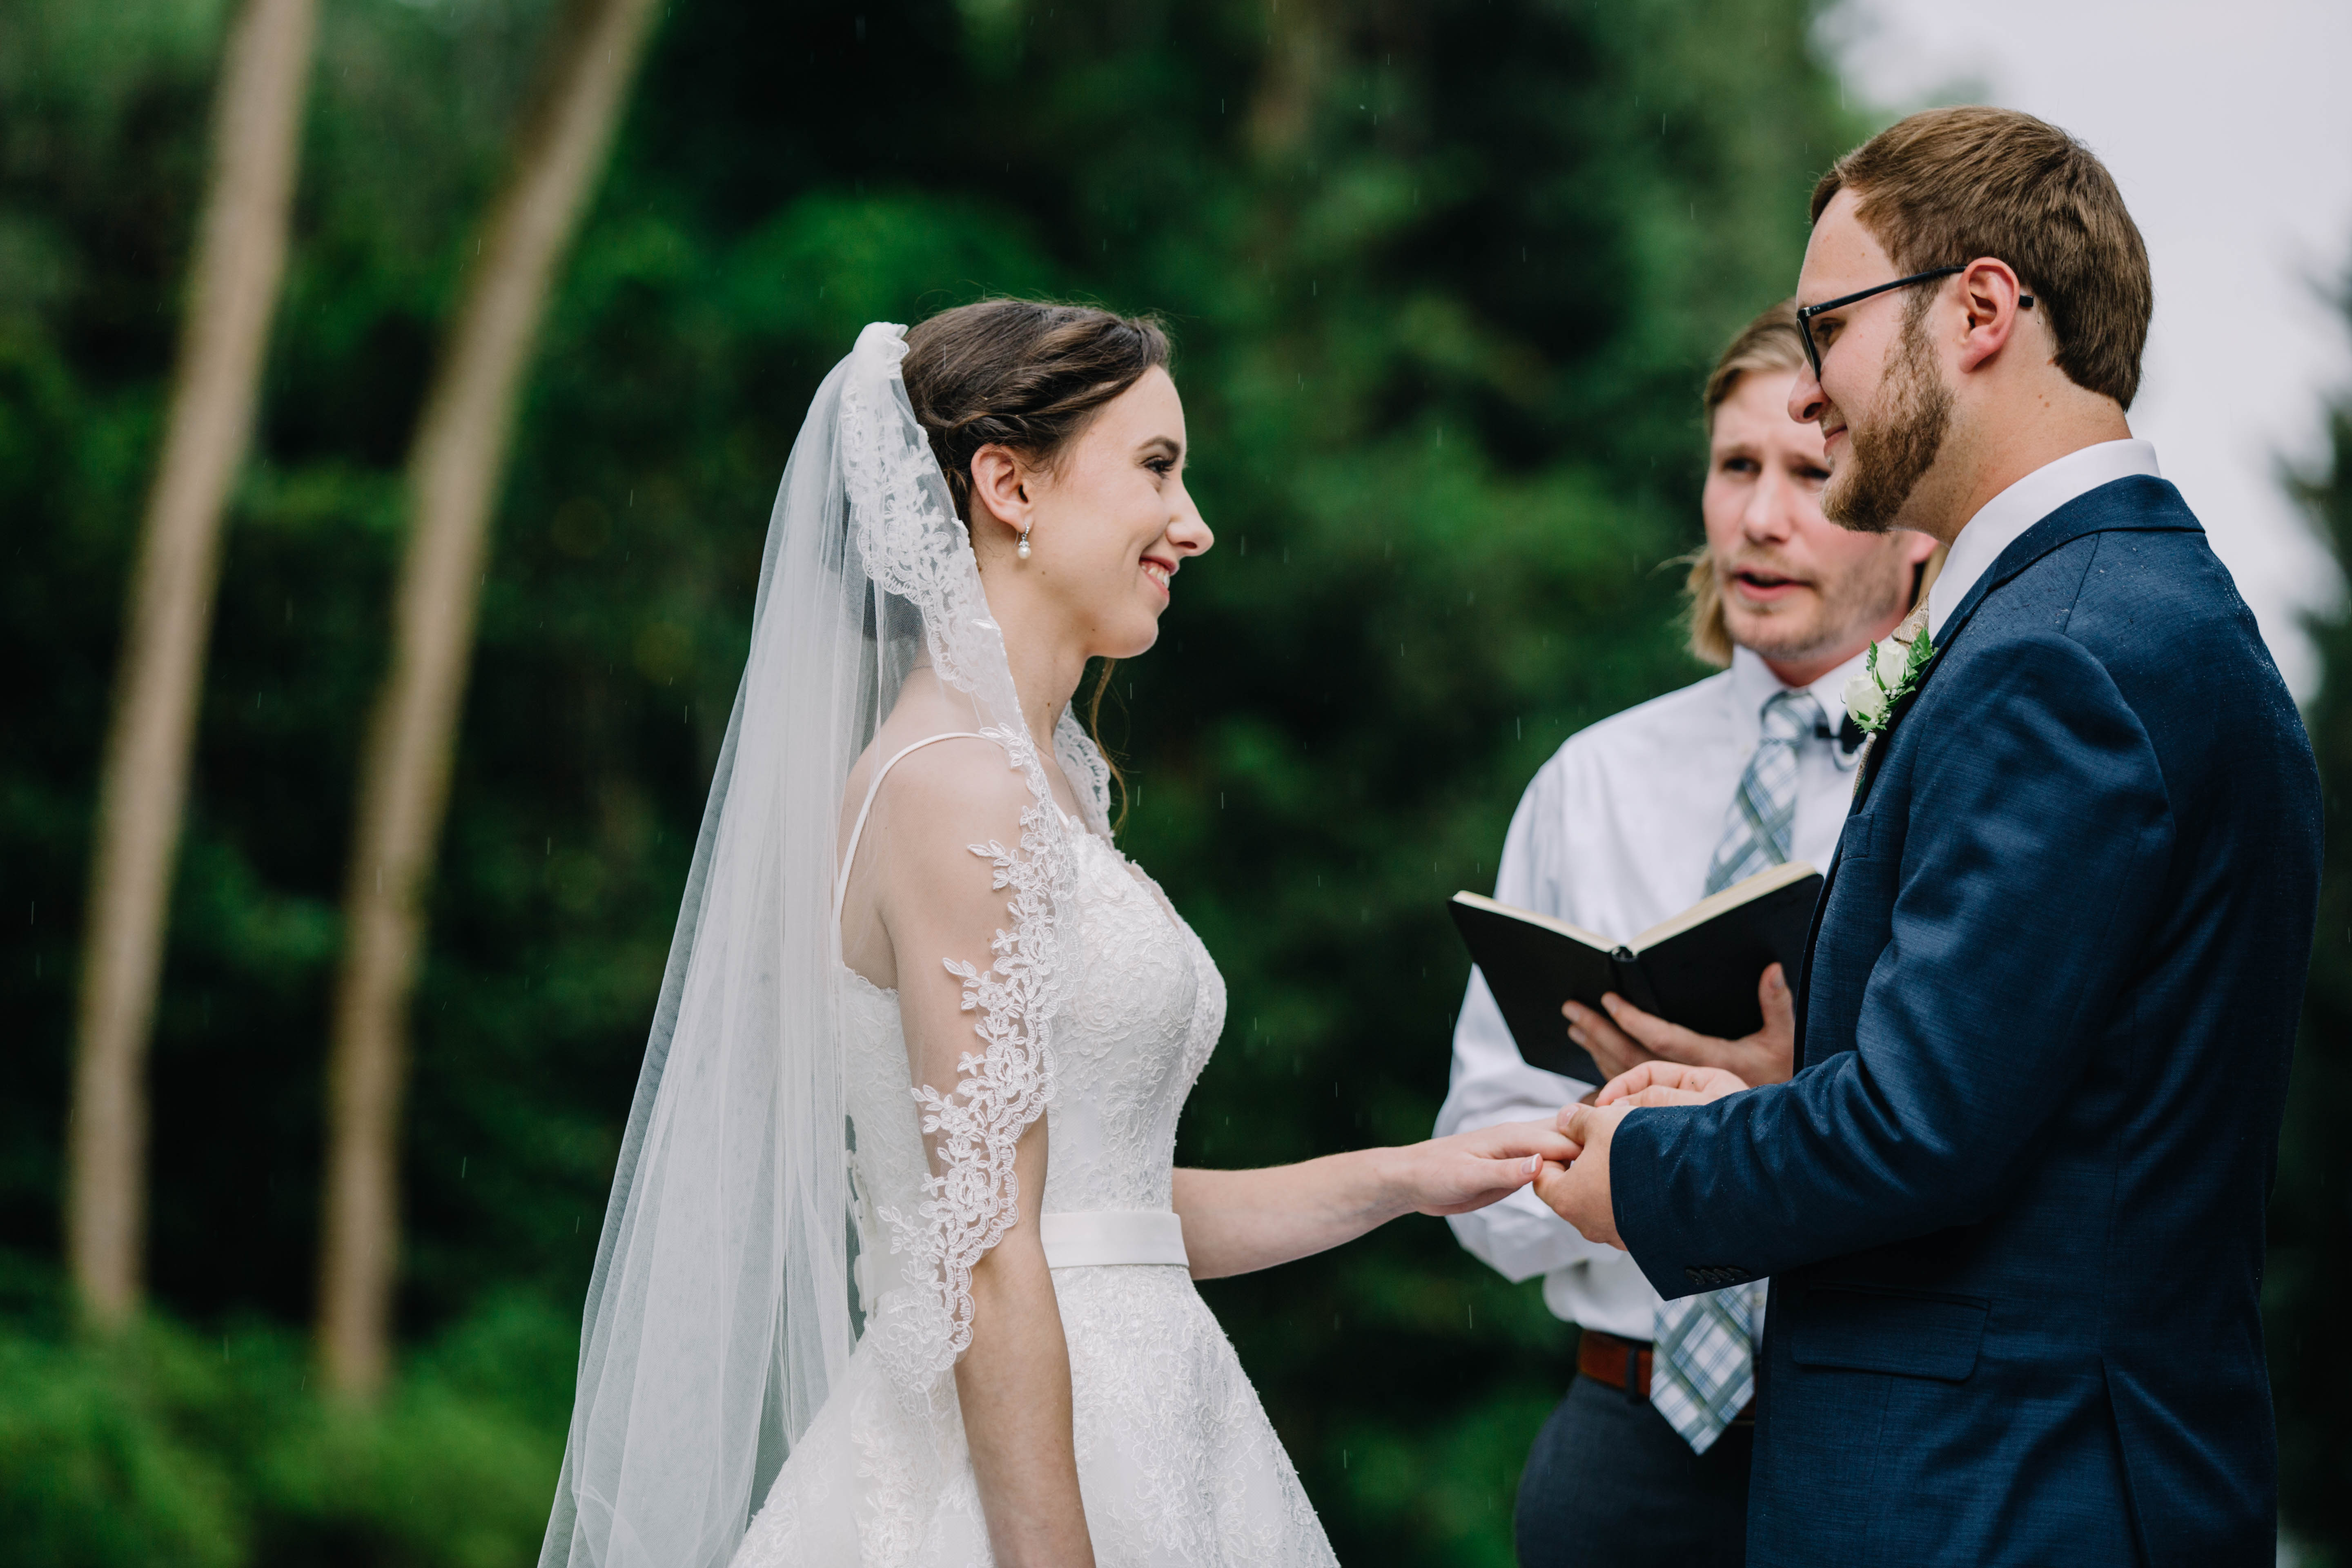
{"points": [[1020, 373]]}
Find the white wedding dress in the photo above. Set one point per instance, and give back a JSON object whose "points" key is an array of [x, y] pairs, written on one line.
{"points": [[1178, 1465], [812, 1167]]}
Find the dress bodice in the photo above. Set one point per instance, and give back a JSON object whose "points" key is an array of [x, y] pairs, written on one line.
{"points": [[1138, 1018], [1178, 1465]]}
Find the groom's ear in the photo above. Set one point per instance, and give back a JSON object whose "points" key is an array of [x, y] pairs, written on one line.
{"points": [[1992, 299]]}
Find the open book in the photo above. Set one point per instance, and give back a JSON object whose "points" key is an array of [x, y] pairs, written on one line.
{"points": [[1698, 969]]}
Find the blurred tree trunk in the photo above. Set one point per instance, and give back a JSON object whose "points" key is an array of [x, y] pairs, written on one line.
{"points": [[455, 469], [239, 259], [1299, 56]]}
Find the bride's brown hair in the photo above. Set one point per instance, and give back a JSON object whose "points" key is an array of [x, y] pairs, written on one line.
{"points": [[1029, 375], [1022, 374]]}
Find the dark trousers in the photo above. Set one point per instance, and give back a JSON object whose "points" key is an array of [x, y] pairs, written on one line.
{"points": [[1609, 1485]]}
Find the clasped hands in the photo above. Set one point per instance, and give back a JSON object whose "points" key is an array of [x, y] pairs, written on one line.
{"points": [[1653, 1062]]}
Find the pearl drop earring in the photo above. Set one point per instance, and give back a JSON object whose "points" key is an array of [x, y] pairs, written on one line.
{"points": [[1022, 550]]}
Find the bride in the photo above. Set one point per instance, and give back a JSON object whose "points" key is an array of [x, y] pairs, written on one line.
{"points": [[897, 1269]]}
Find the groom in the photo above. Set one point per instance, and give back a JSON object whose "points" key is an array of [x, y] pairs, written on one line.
{"points": [[2011, 1203]]}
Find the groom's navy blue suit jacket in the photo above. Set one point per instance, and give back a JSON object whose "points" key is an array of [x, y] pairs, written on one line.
{"points": [[2012, 1203]]}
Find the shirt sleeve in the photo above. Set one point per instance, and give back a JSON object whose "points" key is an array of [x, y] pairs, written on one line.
{"points": [[1519, 1237]]}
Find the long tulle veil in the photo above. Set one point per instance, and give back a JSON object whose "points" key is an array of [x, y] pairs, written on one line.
{"points": [[721, 1310]]}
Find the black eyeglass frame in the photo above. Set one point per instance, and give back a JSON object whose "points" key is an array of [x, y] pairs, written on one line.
{"points": [[1805, 313]]}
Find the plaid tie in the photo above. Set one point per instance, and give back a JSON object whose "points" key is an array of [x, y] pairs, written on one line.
{"points": [[1703, 1371], [1764, 807]]}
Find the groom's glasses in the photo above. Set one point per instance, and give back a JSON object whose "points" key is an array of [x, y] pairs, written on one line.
{"points": [[1805, 314]]}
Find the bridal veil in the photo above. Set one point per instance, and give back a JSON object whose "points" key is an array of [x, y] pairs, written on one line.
{"points": [[725, 1301]]}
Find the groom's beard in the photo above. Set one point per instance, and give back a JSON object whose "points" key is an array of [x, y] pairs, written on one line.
{"points": [[1886, 458]]}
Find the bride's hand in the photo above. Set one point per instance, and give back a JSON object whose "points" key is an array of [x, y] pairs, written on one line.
{"points": [[1470, 1170]]}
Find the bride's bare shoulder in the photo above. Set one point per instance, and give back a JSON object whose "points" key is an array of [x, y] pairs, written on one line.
{"points": [[943, 772]]}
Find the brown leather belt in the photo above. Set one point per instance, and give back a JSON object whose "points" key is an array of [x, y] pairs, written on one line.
{"points": [[1624, 1365], [1621, 1364]]}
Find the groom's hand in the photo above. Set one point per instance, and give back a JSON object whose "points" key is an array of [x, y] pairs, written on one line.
{"points": [[1668, 1083], [1579, 1191], [1627, 1037]]}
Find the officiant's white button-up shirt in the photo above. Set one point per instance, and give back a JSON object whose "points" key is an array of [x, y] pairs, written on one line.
{"points": [[1614, 835]]}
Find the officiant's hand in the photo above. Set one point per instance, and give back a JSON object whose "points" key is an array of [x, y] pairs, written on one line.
{"points": [[1668, 1083], [1628, 1036], [1579, 1191]]}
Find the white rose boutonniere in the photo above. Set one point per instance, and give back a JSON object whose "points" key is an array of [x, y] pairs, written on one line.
{"points": [[1891, 671]]}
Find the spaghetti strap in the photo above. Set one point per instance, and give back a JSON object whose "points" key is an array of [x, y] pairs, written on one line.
{"points": [[849, 855]]}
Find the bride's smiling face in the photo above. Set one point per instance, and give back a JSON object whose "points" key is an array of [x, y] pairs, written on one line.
{"points": [[1108, 519]]}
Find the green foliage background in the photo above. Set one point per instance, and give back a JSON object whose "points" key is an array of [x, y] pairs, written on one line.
{"points": [[2310, 1275], [1445, 278]]}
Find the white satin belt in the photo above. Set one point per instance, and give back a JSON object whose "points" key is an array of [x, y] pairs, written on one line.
{"points": [[1107, 1238]]}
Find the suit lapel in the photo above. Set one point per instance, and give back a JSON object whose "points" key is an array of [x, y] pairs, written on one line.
{"points": [[2140, 503], [1804, 987]]}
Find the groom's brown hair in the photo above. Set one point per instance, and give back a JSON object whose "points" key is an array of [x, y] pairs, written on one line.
{"points": [[1947, 186]]}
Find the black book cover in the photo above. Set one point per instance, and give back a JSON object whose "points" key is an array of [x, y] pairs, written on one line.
{"points": [[1698, 969]]}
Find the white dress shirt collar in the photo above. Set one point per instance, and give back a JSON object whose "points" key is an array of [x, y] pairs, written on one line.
{"points": [[2003, 520], [1753, 684]]}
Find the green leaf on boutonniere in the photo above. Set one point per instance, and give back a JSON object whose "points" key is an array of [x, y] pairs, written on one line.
{"points": [[1891, 671]]}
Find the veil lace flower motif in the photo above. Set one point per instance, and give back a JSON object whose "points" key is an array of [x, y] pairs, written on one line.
{"points": [[915, 547]]}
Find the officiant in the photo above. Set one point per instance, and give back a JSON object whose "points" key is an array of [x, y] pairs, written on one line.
{"points": [[1633, 819]]}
